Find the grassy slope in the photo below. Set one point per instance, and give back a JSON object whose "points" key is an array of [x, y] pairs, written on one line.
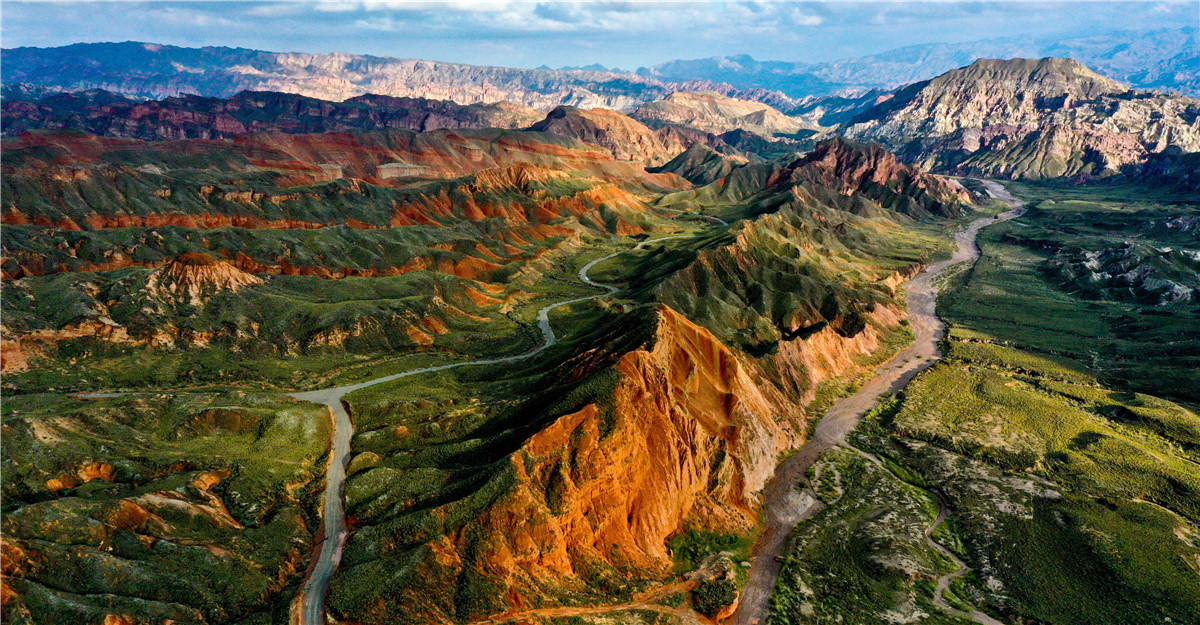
{"points": [[1061, 429], [145, 539]]}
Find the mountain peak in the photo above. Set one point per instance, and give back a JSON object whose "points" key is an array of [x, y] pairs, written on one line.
{"points": [[1046, 76]]}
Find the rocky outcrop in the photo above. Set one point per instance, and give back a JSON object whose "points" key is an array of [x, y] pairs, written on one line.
{"points": [[873, 172], [1026, 118], [852, 171], [195, 277], [1160, 276], [692, 436], [715, 113]]}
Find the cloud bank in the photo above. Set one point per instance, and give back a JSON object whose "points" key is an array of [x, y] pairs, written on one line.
{"points": [[616, 34]]}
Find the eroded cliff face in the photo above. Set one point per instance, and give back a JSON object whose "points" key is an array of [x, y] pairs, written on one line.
{"points": [[587, 504], [1030, 118], [872, 171], [196, 277]]}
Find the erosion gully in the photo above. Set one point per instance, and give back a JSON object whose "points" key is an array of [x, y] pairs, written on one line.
{"points": [[785, 505], [309, 605]]}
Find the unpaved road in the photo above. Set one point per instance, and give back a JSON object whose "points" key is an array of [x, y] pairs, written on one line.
{"points": [[944, 581], [785, 507], [309, 605]]}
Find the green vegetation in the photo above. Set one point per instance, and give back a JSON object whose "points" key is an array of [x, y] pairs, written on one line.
{"points": [[1013, 294], [863, 556], [673, 600], [690, 547], [712, 596], [186, 506], [1062, 428]]}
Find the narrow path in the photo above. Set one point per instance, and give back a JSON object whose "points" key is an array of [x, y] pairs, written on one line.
{"points": [[944, 581], [682, 213], [309, 605], [784, 507]]}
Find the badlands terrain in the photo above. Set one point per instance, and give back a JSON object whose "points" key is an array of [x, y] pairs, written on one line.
{"points": [[367, 341]]}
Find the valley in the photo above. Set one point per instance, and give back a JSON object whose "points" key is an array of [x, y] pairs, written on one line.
{"points": [[785, 503], [1035, 439], [333, 338]]}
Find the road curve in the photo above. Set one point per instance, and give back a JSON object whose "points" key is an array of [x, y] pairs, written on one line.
{"points": [[309, 605], [783, 506]]}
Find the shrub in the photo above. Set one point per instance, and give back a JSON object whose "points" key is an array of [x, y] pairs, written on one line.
{"points": [[711, 597]]}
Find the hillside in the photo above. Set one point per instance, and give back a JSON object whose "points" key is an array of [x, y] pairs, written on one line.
{"points": [[626, 138], [193, 117], [1029, 118], [714, 113], [237, 263]]}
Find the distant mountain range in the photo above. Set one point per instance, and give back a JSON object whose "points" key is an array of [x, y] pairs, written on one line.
{"points": [[1014, 118], [155, 71], [1165, 60], [195, 117]]}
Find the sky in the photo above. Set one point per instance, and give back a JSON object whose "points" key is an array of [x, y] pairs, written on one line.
{"points": [[615, 34]]}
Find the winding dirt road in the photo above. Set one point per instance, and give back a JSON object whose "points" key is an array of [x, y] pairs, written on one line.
{"points": [[784, 506], [943, 582], [309, 606]]}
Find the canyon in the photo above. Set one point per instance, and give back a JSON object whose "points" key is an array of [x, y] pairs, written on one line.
{"points": [[366, 340]]}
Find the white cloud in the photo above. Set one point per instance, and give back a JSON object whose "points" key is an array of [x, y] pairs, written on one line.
{"points": [[801, 18]]}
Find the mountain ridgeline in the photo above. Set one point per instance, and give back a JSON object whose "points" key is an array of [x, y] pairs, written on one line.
{"points": [[194, 117], [1017, 118], [1165, 60]]}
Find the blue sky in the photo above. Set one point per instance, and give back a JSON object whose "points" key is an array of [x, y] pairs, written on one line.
{"points": [[528, 34]]}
